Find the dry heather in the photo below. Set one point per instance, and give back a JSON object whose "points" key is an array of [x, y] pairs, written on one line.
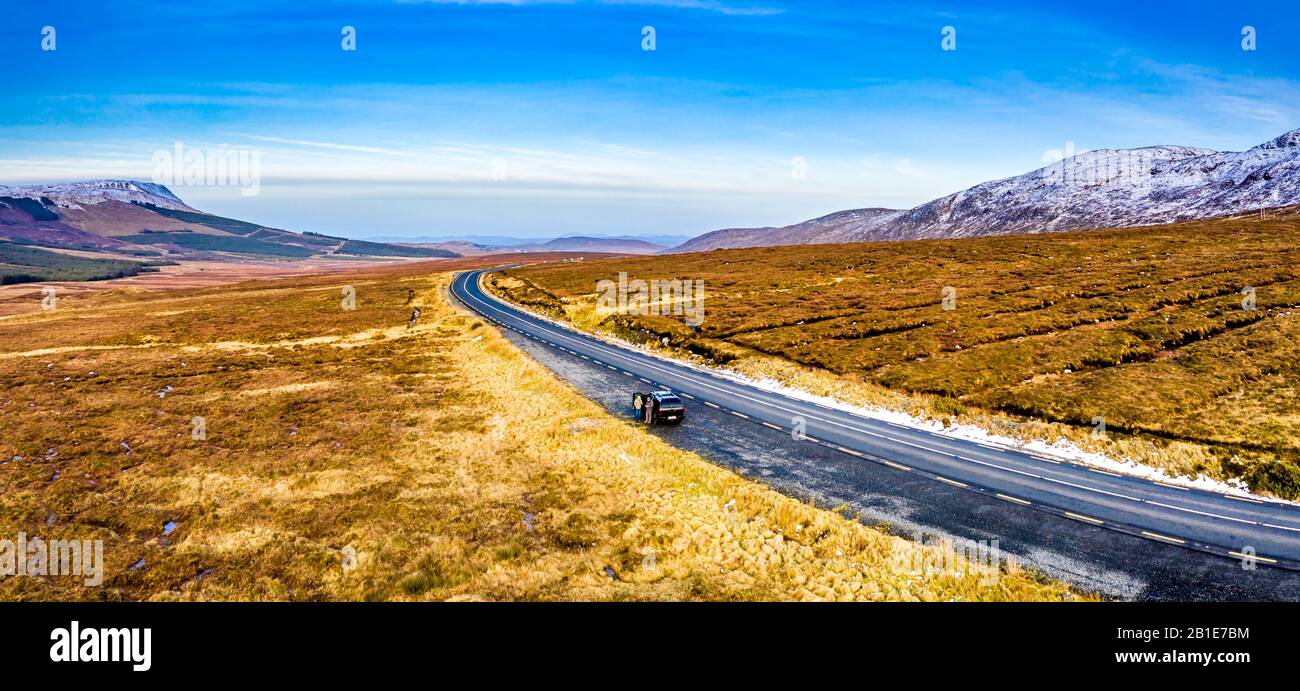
{"points": [[349, 457], [1144, 328]]}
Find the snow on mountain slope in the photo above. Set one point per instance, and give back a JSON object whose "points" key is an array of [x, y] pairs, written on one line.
{"points": [[1097, 189], [79, 194]]}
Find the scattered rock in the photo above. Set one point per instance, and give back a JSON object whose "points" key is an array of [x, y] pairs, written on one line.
{"points": [[198, 577]]}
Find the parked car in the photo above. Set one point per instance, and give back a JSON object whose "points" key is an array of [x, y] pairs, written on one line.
{"points": [[658, 406]]}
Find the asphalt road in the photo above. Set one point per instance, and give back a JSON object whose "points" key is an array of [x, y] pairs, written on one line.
{"points": [[1264, 534]]}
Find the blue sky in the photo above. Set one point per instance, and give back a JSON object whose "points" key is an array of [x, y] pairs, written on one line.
{"points": [[535, 118]]}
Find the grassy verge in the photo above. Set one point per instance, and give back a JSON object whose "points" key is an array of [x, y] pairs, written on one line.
{"points": [[346, 456]]}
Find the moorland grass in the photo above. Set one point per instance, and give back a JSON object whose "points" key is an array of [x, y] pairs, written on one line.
{"points": [[1144, 328], [346, 456]]}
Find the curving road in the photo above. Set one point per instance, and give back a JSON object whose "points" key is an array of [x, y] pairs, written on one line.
{"points": [[1229, 526]]}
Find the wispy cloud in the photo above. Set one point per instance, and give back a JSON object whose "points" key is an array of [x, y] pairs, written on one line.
{"points": [[327, 145], [705, 5]]}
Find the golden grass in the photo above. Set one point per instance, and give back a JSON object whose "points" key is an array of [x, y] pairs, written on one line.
{"points": [[1143, 327], [348, 457]]}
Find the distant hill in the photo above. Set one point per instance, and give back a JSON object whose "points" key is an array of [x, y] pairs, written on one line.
{"points": [[496, 242], [127, 217], [589, 244], [592, 244], [1096, 189], [462, 247]]}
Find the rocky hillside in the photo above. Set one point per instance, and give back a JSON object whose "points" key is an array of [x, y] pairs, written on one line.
{"points": [[1096, 189]]}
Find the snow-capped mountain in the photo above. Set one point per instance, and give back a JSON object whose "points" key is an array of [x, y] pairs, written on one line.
{"points": [[76, 195], [1098, 189]]}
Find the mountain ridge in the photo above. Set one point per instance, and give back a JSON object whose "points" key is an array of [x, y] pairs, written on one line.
{"points": [[1103, 188], [74, 194], [133, 218]]}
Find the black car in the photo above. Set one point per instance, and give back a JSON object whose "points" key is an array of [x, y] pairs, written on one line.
{"points": [[658, 406]]}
